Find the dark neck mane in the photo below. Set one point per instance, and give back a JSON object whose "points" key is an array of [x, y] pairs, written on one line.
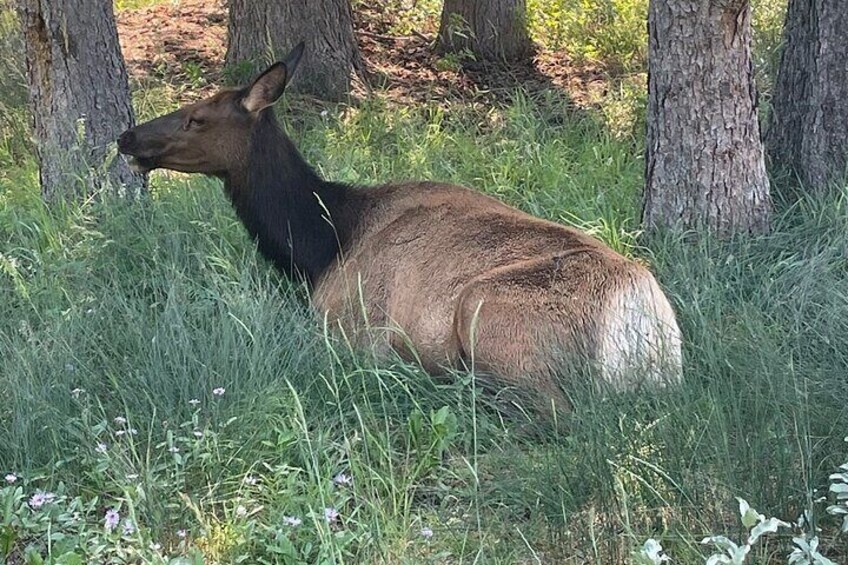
{"points": [[299, 220]]}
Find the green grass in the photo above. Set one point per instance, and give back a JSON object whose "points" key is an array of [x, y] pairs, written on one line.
{"points": [[148, 306], [135, 310]]}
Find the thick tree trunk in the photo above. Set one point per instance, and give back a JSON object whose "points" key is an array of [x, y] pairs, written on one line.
{"points": [[808, 131], [263, 31], [79, 94], [704, 157], [494, 30]]}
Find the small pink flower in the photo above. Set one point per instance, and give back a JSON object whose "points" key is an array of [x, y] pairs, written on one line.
{"points": [[11, 478]]}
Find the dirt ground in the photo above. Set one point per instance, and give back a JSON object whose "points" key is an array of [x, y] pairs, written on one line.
{"points": [[185, 41]]}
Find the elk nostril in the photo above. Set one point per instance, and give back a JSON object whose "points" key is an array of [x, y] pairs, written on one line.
{"points": [[126, 140]]}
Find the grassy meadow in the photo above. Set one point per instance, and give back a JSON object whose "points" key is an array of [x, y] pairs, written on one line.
{"points": [[167, 397]]}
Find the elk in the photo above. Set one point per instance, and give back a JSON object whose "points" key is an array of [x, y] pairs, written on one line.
{"points": [[440, 274]]}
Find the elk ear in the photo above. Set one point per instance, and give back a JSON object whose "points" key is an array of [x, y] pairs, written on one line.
{"points": [[269, 86]]}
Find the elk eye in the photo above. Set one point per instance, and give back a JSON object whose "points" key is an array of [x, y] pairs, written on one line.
{"points": [[193, 123]]}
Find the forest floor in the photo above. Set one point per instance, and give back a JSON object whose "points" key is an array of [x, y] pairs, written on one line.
{"points": [[186, 42]]}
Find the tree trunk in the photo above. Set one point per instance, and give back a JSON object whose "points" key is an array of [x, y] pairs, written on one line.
{"points": [[704, 157], [263, 31], [494, 30], [808, 132], [79, 95]]}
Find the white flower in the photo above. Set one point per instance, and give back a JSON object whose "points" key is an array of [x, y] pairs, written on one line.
{"points": [[129, 528], [111, 520], [292, 521], [174, 449], [101, 448], [194, 402], [11, 478], [132, 431], [331, 515], [40, 498], [426, 532], [324, 113], [342, 480], [250, 480], [181, 534], [132, 476], [198, 434], [155, 546], [77, 391], [120, 420], [119, 433], [219, 391], [241, 511]]}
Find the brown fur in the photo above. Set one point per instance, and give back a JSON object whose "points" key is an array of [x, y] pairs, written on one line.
{"points": [[533, 290], [439, 273]]}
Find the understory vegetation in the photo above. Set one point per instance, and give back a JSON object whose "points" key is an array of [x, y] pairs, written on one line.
{"points": [[167, 397]]}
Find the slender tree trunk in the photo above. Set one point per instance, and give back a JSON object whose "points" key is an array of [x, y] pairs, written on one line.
{"points": [[79, 94], [263, 31], [808, 131], [704, 157], [494, 30]]}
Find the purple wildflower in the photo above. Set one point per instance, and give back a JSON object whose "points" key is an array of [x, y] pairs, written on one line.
{"points": [[111, 520]]}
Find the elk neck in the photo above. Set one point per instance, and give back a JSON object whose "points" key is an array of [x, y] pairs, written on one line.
{"points": [[300, 222]]}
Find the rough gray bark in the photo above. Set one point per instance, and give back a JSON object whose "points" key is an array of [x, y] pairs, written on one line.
{"points": [[808, 131], [79, 95], [263, 31], [494, 30], [704, 157]]}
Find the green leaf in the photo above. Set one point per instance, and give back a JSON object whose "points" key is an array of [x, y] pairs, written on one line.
{"points": [[69, 559], [750, 517], [768, 526]]}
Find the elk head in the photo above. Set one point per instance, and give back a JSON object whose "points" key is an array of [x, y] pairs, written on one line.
{"points": [[211, 136]]}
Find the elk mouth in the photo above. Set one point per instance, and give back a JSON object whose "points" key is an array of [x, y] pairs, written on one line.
{"points": [[140, 165]]}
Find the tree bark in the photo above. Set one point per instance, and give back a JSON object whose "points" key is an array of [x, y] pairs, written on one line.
{"points": [[704, 158], [808, 128], [79, 95], [263, 31], [494, 30]]}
